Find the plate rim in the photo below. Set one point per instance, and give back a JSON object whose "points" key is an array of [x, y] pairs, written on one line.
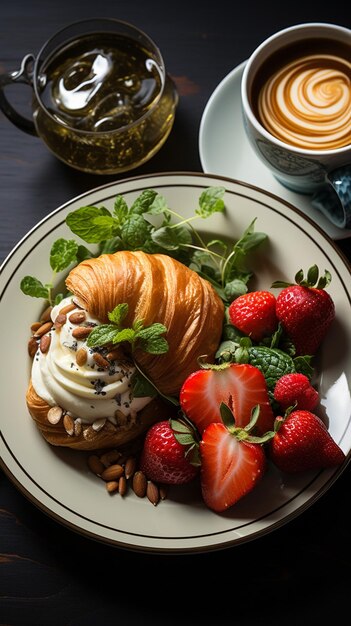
{"points": [[209, 547]]}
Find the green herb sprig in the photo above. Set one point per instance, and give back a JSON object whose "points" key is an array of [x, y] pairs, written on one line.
{"points": [[151, 226], [147, 338]]}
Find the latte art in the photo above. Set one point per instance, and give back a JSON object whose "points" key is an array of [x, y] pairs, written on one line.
{"points": [[307, 103]]}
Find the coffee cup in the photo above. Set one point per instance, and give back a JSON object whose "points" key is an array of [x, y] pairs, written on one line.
{"points": [[102, 100], [296, 102]]}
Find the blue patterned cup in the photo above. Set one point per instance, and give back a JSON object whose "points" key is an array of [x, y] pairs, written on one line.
{"points": [[296, 100]]}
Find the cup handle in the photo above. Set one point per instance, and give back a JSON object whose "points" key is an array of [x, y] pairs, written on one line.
{"points": [[23, 75], [335, 199]]}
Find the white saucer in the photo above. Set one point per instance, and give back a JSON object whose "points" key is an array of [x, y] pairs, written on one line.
{"points": [[225, 150]]}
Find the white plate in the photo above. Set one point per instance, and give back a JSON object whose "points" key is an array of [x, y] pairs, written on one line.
{"points": [[57, 480], [225, 150]]}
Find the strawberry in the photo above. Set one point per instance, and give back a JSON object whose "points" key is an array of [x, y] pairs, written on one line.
{"points": [[232, 462], [239, 385], [295, 390], [302, 442], [164, 459], [254, 314], [305, 311]]}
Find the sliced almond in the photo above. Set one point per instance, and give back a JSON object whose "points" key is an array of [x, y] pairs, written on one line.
{"points": [[99, 423], [68, 423], [139, 484], [77, 428], [54, 414]]}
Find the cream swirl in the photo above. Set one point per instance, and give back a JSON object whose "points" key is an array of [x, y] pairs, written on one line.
{"points": [[87, 392], [307, 103]]}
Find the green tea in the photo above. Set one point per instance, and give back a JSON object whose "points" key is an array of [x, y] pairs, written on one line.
{"points": [[91, 91]]}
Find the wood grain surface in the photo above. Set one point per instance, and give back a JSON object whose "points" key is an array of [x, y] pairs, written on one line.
{"points": [[50, 576]]}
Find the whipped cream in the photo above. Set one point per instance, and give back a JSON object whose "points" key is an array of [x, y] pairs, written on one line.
{"points": [[87, 392], [307, 103]]}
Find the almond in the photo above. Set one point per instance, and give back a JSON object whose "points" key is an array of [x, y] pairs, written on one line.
{"points": [[130, 466], [139, 484], [81, 356], [122, 486], [110, 457], [43, 329], [112, 486], [113, 472], [95, 464], [32, 347], [46, 315], [100, 361], [35, 326], [152, 493], [66, 309], [60, 320], [82, 332], [77, 318], [44, 343]]}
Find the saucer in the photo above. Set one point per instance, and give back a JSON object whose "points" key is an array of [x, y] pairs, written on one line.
{"points": [[225, 150]]}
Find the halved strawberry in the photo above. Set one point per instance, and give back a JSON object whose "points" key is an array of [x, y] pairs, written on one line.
{"points": [[232, 463], [239, 385]]}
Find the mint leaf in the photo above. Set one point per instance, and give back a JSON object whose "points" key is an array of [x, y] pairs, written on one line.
{"points": [[234, 288], [151, 339], [83, 253], [158, 206], [118, 314], [143, 202], [81, 222], [33, 287], [126, 334], [111, 245], [63, 253], [135, 231], [171, 238], [120, 209], [211, 201], [101, 335]]}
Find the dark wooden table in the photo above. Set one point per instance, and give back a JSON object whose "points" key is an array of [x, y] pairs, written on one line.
{"points": [[298, 575]]}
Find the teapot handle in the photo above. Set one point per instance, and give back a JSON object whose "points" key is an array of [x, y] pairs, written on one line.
{"points": [[23, 75]]}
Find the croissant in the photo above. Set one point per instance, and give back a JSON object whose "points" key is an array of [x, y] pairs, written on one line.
{"points": [[102, 412], [157, 288]]}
